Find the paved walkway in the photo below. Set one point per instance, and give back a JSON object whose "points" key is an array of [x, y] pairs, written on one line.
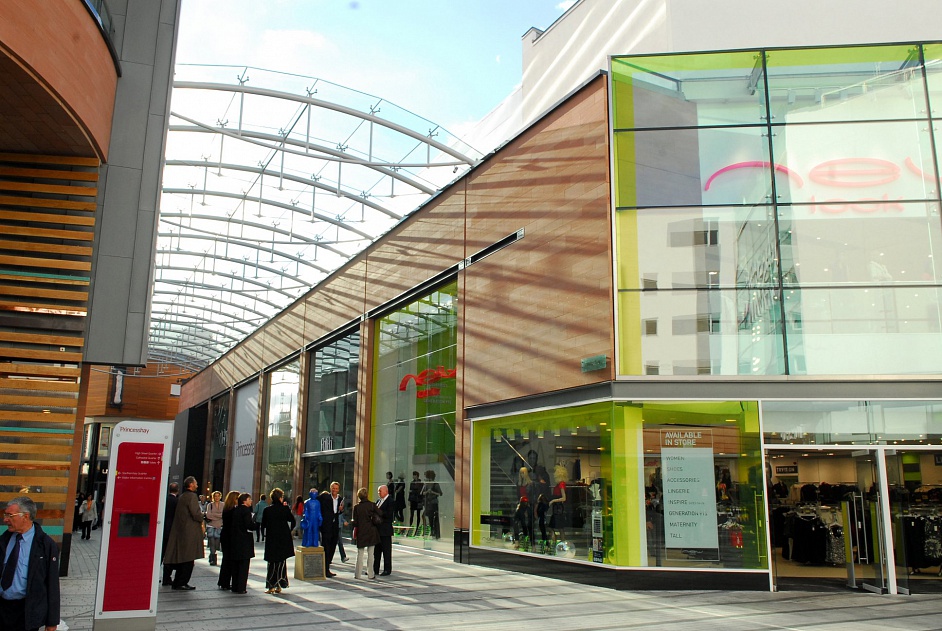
{"points": [[429, 591]]}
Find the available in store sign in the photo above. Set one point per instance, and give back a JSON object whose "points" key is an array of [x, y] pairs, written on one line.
{"points": [[688, 488]]}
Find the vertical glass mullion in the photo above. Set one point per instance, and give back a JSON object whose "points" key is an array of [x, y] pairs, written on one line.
{"points": [[775, 216]]}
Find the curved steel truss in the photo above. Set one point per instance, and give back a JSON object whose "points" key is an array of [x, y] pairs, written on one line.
{"points": [[271, 182]]}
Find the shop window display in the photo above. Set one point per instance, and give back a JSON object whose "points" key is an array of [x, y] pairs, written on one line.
{"points": [[548, 486], [652, 484]]}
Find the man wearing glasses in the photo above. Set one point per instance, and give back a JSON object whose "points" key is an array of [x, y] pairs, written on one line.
{"points": [[29, 580]]}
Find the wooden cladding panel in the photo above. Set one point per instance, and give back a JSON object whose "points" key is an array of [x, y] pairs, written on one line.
{"points": [[52, 308], [37, 292], [52, 189], [46, 174], [27, 261], [49, 248], [48, 233], [25, 158], [38, 370], [47, 223], [53, 218], [38, 202], [47, 385], [34, 338], [59, 357]]}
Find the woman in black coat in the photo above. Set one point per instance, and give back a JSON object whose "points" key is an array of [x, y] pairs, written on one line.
{"points": [[277, 521], [225, 540], [241, 547]]}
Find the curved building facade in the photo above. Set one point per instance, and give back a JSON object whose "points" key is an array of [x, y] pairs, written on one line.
{"points": [[83, 114]]}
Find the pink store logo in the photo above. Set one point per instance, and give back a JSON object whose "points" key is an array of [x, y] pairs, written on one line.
{"points": [[425, 378], [842, 173]]}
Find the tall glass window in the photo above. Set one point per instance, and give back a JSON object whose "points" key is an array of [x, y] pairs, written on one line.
{"points": [[414, 410], [219, 414], [332, 398], [281, 429], [778, 212]]}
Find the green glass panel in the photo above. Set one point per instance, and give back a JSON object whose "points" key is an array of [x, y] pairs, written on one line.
{"points": [[852, 422], [414, 400], [876, 330], [705, 332], [688, 90], [543, 484], [701, 473], [932, 54], [861, 244], [643, 510], [869, 163], [841, 84], [692, 167], [708, 247]]}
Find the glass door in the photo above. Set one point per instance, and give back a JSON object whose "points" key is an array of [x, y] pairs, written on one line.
{"points": [[863, 525], [915, 499]]}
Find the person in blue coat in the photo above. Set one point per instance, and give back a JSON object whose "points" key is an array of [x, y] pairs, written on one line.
{"points": [[311, 521]]}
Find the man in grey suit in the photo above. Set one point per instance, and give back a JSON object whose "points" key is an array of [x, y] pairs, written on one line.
{"points": [[386, 507]]}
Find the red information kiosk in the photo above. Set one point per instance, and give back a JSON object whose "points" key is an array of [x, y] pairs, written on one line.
{"points": [[132, 527]]}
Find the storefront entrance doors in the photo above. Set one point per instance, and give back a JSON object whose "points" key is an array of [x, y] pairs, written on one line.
{"points": [[864, 525], [827, 514]]}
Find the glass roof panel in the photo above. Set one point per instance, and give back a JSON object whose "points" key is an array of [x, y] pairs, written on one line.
{"points": [[273, 181]]}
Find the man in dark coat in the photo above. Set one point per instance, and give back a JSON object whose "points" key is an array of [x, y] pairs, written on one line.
{"points": [[385, 505], [186, 536], [330, 527], [170, 509], [29, 591]]}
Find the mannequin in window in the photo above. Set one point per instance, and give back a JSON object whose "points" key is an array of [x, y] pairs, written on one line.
{"points": [[431, 491], [524, 483], [558, 503]]}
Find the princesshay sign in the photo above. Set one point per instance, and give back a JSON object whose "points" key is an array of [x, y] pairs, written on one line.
{"points": [[689, 493]]}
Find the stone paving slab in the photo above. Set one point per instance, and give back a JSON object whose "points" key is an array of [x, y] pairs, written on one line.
{"points": [[429, 591]]}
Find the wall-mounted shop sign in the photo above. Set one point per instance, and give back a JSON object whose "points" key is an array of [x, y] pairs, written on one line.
{"points": [[597, 362], [788, 469], [689, 490], [938, 460], [426, 377]]}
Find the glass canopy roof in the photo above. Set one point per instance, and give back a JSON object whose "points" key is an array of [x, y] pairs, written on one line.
{"points": [[273, 181]]}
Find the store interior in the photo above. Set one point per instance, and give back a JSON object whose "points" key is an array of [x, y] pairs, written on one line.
{"points": [[827, 520]]}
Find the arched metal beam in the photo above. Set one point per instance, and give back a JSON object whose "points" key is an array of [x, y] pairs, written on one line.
{"points": [[270, 202], [202, 333], [202, 235], [161, 292], [273, 142], [288, 176], [214, 288], [287, 96], [252, 281]]}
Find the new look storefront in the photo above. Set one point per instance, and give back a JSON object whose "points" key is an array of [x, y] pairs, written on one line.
{"points": [[774, 422], [668, 494]]}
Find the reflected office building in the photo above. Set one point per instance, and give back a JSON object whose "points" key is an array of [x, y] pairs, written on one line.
{"points": [[682, 331]]}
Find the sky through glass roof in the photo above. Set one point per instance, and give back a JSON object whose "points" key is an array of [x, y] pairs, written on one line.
{"points": [[273, 181]]}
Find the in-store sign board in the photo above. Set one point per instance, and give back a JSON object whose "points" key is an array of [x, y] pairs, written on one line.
{"points": [[789, 469], [689, 491]]}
